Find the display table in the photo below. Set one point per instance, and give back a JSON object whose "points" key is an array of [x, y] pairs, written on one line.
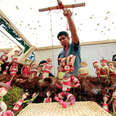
{"points": [[88, 108]]}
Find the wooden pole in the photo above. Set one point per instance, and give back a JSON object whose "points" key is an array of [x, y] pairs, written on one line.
{"points": [[65, 6], [61, 6]]}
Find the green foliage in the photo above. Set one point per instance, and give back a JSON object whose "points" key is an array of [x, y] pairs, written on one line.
{"points": [[13, 96]]}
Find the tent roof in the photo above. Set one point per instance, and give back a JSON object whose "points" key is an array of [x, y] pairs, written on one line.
{"points": [[95, 21]]}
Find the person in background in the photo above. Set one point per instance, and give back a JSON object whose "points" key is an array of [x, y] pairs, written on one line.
{"points": [[41, 64], [74, 46], [114, 60]]}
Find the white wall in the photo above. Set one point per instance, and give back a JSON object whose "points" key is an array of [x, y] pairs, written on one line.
{"points": [[89, 53]]}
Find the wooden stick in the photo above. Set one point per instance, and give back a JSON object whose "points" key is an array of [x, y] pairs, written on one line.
{"points": [[65, 6]]}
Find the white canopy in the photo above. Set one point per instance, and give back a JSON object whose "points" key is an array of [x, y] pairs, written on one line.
{"points": [[95, 21]]}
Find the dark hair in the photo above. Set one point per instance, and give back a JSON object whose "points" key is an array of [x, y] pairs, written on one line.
{"points": [[114, 57], [62, 33], [42, 62]]}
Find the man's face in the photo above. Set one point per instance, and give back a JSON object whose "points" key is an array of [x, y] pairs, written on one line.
{"points": [[64, 40], [41, 67]]}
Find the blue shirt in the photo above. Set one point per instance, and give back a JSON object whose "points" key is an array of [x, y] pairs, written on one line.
{"points": [[75, 50]]}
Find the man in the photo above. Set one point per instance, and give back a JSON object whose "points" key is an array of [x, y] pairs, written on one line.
{"points": [[74, 46], [41, 64], [114, 60]]}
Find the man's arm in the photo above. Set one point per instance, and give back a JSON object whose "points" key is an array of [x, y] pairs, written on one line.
{"points": [[72, 27]]}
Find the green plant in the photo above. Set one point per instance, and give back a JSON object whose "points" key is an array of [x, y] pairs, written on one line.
{"points": [[13, 96]]}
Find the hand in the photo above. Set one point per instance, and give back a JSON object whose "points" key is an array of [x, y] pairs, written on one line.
{"points": [[67, 12]]}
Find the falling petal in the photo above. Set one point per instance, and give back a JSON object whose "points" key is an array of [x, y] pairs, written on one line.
{"points": [[17, 7], [28, 25], [106, 18], [107, 12]]}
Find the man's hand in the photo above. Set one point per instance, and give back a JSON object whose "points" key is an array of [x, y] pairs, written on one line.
{"points": [[67, 12]]}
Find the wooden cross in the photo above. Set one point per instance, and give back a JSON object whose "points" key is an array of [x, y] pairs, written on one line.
{"points": [[61, 6]]}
